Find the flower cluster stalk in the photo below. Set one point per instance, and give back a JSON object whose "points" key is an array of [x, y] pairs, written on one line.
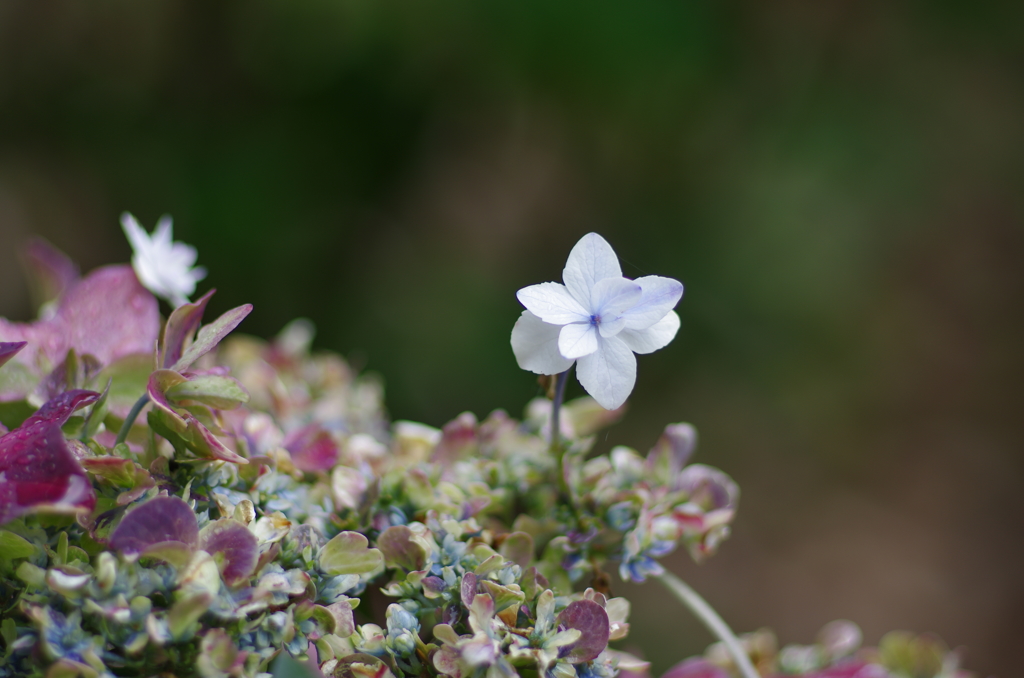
{"points": [[711, 619], [129, 421]]}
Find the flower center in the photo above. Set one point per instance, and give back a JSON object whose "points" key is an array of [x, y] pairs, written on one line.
{"points": [[595, 320]]}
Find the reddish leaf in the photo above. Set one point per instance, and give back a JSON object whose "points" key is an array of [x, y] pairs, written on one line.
{"points": [[591, 621], [161, 519], [59, 409], [37, 470], [312, 448], [458, 437], [8, 349], [51, 271], [181, 327]]}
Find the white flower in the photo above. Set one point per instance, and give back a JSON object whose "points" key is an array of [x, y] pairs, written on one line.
{"points": [[597, 319], [163, 267]]}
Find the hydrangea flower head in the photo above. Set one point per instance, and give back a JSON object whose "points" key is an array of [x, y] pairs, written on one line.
{"points": [[597, 319], [164, 267]]}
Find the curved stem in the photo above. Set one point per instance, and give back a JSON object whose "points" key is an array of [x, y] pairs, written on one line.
{"points": [[130, 419], [711, 620]]}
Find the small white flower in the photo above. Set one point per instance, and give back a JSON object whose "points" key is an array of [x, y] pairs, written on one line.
{"points": [[597, 319], [163, 267]]}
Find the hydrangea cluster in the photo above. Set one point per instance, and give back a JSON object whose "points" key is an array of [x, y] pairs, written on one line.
{"points": [[176, 501]]}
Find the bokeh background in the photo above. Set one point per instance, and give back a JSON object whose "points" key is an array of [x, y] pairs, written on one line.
{"points": [[838, 184]]}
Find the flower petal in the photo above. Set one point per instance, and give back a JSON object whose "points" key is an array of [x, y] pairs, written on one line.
{"points": [[577, 340], [552, 303], [138, 238], [610, 298], [591, 259], [654, 337], [660, 295], [535, 344], [609, 373]]}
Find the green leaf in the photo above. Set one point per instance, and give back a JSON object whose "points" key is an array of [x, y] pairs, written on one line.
{"points": [[210, 335], [12, 546], [286, 666], [97, 413], [348, 553], [181, 620], [222, 393], [128, 377]]}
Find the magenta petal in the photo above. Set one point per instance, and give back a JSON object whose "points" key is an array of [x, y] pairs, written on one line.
{"points": [[591, 621], [8, 349], [312, 448], [181, 327], [37, 470], [51, 270], [238, 545], [59, 409], [108, 314], [159, 520]]}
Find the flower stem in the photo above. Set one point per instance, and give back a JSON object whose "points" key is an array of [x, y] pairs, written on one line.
{"points": [[556, 409], [130, 419], [714, 623]]}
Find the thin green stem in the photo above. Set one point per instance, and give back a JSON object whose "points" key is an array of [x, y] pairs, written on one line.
{"points": [[556, 409], [130, 419], [711, 620]]}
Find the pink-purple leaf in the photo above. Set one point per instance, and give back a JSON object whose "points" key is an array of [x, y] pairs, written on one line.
{"points": [[37, 470], [180, 328], [50, 270], [210, 335], [696, 667], [591, 621], [161, 519], [108, 314], [238, 546], [458, 437], [8, 349], [312, 448]]}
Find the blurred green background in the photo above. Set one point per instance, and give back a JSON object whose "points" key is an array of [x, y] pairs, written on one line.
{"points": [[838, 185]]}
